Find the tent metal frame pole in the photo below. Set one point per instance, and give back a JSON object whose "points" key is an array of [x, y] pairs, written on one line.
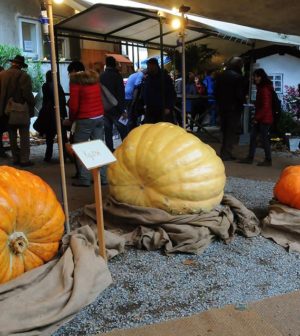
{"points": [[138, 57], [161, 42], [250, 73], [183, 72], [57, 114]]}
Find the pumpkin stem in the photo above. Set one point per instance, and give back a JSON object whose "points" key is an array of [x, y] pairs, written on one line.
{"points": [[18, 242]]}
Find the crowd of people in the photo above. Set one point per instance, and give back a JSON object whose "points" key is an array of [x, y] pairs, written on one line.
{"points": [[149, 96]]}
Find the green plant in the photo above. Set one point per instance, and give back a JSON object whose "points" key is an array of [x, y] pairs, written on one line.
{"points": [[8, 52], [287, 124], [36, 74], [291, 101], [197, 57]]}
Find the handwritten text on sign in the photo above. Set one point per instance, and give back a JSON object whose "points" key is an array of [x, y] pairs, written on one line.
{"points": [[93, 154]]}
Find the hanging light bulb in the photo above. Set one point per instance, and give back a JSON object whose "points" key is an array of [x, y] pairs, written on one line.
{"points": [[58, 1], [176, 23]]}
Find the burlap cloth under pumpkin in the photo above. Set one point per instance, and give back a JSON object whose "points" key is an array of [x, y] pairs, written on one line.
{"points": [[156, 229], [283, 226], [41, 300]]}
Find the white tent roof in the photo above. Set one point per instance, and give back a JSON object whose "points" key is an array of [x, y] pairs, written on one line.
{"points": [[232, 29], [109, 23]]}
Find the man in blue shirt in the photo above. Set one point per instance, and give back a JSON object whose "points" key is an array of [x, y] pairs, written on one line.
{"points": [[133, 82], [209, 82]]}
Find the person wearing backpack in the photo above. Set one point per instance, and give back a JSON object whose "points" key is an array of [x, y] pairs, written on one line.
{"points": [[263, 118]]}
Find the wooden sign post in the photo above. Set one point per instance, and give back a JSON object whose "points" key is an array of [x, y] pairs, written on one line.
{"points": [[94, 155]]}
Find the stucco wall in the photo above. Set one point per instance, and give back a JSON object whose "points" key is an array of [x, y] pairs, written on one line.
{"points": [[288, 65], [9, 13]]}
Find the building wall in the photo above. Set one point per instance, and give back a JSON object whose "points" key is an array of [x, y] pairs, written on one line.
{"points": [[288, 65], [9, 13]]}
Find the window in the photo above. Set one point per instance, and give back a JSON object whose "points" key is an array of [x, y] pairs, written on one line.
{"points": [[63, 48], [135, 53], [30, 37], [277, 80]]}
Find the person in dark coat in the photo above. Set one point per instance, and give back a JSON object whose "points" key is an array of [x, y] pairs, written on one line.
{"points": [[159, 95], [113, 81], [230, 96], [16, 82], [46, 118], [263, 118]]}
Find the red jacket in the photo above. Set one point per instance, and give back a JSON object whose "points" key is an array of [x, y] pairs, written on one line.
{"points": [[85, 96], [263, 104]]}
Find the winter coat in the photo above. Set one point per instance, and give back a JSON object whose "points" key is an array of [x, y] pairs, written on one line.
{"points": [[16, 82], [230, 91], [85, 96], [46, 121], [263, 104], [152, 91], [113, 80]]}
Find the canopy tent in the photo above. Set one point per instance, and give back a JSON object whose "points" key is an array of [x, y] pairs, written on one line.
{"points": [[139, 26], [275, 21], [272, 15]]}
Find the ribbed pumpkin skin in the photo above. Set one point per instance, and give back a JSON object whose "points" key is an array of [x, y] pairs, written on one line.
{"points": [[287, 188], [162, 166], [31, 222]]}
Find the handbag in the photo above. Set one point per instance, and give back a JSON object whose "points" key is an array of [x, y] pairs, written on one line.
{"points": [[108, 99], [18, 113], [44, 122]]}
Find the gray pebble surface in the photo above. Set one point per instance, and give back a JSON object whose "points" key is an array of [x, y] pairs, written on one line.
{"points": [[150, 287]]}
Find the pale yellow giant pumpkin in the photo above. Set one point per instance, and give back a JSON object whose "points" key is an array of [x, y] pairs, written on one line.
{"points": [[163, 166]]}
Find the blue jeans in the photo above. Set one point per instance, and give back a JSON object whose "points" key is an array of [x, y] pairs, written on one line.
{"points": [[263, 131], [212, 113], [85, 130], [109, 121]]}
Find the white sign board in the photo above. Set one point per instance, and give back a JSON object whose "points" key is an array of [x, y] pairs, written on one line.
{"points": [[93, 154], [294, 144], [28, 46]]}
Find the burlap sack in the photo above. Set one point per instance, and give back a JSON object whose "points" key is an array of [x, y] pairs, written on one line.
{"points": [[283, 226], [39, 301], [155, 229]]}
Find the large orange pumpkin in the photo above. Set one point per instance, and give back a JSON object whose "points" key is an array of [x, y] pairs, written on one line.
{"points": [[287, 188], [163, 166], [31, 222]]}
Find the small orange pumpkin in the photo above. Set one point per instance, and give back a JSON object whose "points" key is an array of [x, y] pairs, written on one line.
{"points": [[31, 222], [287, 189]]}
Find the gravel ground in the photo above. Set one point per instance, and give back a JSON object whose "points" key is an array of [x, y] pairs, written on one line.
{"points": [[150, 287]]}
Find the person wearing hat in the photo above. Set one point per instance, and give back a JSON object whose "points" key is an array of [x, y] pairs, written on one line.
{"points": [[15, 81], [158, 93]]}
